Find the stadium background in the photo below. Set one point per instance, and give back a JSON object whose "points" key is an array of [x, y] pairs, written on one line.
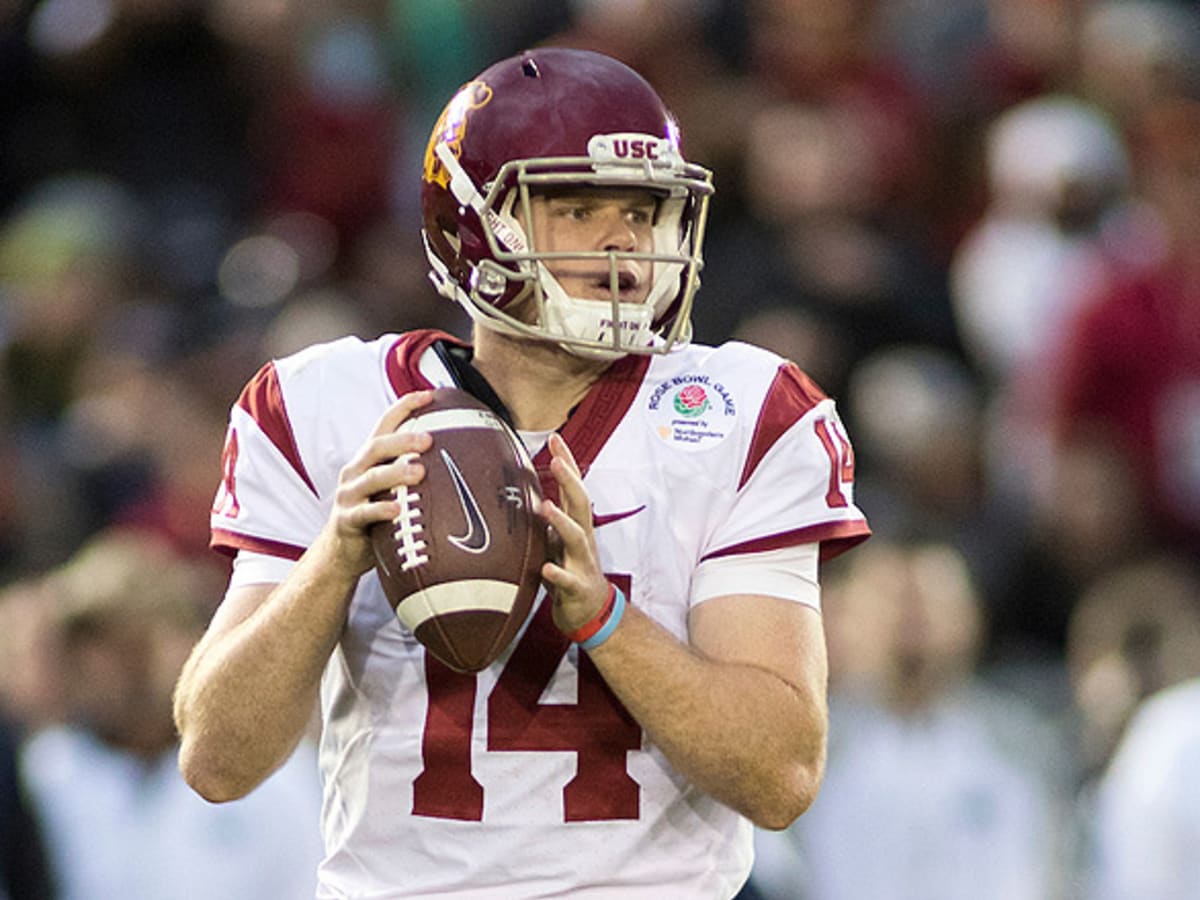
{"points": [[919, 201]]}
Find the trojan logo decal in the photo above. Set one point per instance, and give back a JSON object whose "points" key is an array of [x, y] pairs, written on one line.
{"points": [[451, 126]]}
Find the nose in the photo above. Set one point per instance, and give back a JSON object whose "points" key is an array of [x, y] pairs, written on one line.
{"points": [[616, 232]]}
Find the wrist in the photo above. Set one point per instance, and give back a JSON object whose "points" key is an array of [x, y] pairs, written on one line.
{"points": [[337, 558], [599, 629]]}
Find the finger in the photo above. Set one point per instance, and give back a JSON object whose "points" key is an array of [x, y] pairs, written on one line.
{"points": [[387, 448], [381, 452], [570, 532], [572, 493], [386, 442], [395, 414], [564, 585], [560, 450], [365, 515], [566, 472], [557, 577], [404, 471], [575, 545], [371, 497]]}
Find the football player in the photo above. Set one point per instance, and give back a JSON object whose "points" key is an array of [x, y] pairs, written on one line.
{"points": [[668, 691]]}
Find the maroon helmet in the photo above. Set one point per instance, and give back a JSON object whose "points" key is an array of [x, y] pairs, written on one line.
{"points": [[553, 118]]}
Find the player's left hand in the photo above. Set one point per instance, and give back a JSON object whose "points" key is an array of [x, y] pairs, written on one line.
{"points": [[576, 582]]}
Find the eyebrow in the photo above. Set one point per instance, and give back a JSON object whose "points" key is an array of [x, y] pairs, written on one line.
{"points": [[600, 195]]}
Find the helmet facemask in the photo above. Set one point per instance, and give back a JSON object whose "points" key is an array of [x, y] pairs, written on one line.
{"points": [[511, 289]]}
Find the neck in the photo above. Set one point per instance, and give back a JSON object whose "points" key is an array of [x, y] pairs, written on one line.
{"points": [[539, 382]]}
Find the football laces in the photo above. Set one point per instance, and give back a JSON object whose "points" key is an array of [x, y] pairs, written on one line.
{"points": [[408, 529]]}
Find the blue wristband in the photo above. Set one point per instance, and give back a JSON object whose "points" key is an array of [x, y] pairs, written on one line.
{"points": [[614, 619]]}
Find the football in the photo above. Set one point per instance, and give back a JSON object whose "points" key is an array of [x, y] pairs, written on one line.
{"points": [[461, 562]]}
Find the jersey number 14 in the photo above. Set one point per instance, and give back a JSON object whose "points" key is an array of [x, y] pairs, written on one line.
{"points": [[597, 728]]}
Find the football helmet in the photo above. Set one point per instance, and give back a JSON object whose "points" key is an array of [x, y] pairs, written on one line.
{"points": [[548, 119]]}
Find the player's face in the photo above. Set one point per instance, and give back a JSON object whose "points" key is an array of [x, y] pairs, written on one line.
{"points": [[596, 219]]}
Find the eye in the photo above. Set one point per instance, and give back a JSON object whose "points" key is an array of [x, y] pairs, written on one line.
{"points": [[641, 215], [574, 210]]}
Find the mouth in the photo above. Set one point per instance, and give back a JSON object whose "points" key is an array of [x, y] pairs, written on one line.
{"points": [[628, 283], [630, 286]]}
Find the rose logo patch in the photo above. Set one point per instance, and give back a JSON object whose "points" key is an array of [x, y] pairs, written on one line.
{"points": [[692, 401], [691, 412]]}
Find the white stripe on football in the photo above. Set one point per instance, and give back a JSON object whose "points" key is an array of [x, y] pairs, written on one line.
{"points": [[450, 419], [471, 595]]}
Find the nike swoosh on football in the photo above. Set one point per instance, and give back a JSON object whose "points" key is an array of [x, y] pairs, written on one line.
{"points": [[608, 518], [477, 538]]}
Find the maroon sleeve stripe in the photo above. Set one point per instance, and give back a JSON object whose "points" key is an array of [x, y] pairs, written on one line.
{"points": [[230, 542], [262, 398], [403, 361], [789, 397], [834, 537]]}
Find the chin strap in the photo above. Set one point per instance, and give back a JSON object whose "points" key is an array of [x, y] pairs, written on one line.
{"points": [[439, 272]]}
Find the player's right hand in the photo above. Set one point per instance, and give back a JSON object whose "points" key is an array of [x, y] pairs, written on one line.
{"points": [[576, 580], [364, 496]]}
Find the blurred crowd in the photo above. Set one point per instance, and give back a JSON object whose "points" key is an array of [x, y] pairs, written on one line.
{"points": [[976, 223]]}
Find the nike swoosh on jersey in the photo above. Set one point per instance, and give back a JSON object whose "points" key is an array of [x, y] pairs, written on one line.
{"points": [[477, 538], [608, 518]]}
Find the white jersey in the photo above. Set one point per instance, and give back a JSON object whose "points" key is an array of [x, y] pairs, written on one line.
{"points": [[1147, 810], [529, 779], [121, 827]]}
